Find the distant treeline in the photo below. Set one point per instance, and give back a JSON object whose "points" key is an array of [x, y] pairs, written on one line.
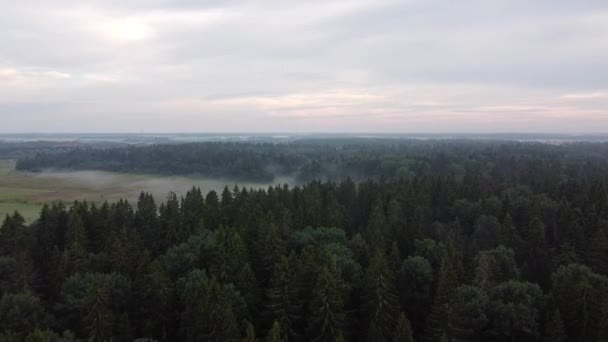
{"points": [[325, 159]]}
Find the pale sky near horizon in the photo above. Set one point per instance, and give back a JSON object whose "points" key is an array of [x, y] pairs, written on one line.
{"points": [[304, 66]]}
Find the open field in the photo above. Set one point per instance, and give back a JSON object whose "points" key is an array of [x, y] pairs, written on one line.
{"points": [[28, 192]]}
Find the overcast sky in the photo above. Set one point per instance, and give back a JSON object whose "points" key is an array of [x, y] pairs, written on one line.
{"points": [[304, 66]]}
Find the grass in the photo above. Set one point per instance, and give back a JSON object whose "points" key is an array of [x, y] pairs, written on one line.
{"points": [[29, 211], [28, 192]]}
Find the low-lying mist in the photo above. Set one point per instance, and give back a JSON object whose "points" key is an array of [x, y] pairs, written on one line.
{"points": [[101, 185]]}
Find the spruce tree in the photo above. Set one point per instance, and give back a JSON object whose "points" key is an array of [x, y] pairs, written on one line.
{"points": [[282, 299], [403, 330], [147, 223], [377, 227], [602, 331], [598, 252], [437, 322], [327, 307], [99, 316], [250, 333], [381, 301], [170, 223], [554, 328], [275, 334]]}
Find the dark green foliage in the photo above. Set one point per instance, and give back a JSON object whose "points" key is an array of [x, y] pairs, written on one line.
{"points": [[487, 233], [147, 223], [554, 328], [327, 306], [250, 333], [579, 294], [494, 266], [415, 289], [437, 321], [382, 303], [602, 333], [209, 309], [241, 161], [403, 330], [276, 335], [95, 306], [49, 336], [514, 310], [282, 298], [21, 312], [598, 252], [447, 241], [12, 234], [469, 313]]}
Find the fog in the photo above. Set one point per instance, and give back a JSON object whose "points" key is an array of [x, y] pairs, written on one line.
{"points": [[99, 185]]}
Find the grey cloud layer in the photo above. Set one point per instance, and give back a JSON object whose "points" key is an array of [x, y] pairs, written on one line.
{"points": [[360, 65]]}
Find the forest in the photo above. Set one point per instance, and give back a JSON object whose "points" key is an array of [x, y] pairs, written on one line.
{"points": [[328, 159], [382, 240]]}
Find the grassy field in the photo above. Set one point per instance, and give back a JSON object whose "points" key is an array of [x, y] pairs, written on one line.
{"points": [[28, 192]]}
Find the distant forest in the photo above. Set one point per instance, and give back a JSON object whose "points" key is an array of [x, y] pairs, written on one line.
{"points": [[433, 241], [318, 159]]}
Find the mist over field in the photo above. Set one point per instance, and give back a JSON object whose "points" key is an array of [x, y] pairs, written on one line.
{"points": [[28, 191], [112, 185]]}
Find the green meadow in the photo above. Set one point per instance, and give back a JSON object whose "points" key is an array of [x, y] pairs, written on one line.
{"points": [[27, 192]]}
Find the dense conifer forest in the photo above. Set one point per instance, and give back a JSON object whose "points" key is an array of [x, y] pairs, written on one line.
{"points": [[382, 241]]}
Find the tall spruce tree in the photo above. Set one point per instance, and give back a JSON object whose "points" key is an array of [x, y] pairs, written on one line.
{"points": [[327, 307], [403, 330], [382, 304]]}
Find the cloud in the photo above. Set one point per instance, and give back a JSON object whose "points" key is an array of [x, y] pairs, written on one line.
{"points": [[358, 65], [587, 96]]}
